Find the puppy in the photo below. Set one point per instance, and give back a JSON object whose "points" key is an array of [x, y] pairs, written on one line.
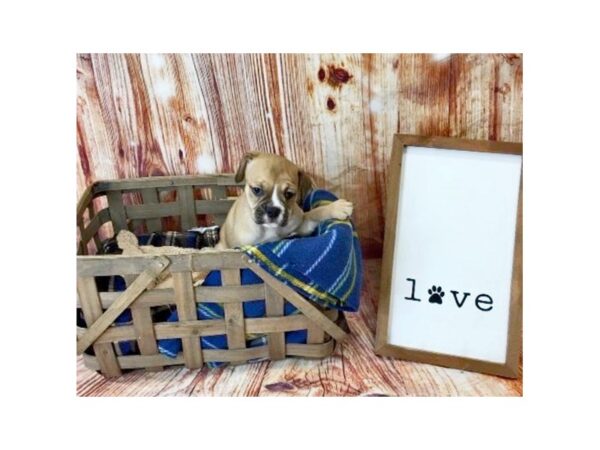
{"points": [[269, 209]]}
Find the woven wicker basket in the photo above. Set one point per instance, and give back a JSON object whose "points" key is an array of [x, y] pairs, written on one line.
{"points": [[158, 204]]}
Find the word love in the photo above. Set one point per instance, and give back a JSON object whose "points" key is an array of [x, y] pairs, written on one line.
{"points": [[483, 302]]}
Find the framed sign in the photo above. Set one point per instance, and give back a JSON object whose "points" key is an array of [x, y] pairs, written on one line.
{"points": [[451, 281]]}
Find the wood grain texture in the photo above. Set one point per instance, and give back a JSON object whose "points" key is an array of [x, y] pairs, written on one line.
{"points": [[335, 115], [352, 370]]}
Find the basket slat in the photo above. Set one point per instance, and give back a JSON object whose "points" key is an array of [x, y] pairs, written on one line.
{"points": [[117, 210], [186, 310], [274, 305], [314, 334], [91, 230], [141, 361], [82, 247], [185, 197], [136, 184], [215, 207], [204, 294], [153, 210], [198, 262], [197, 328], [219, 193], [180, 329], [150, 197], [92, 214], [144, 330], [234, 313]]}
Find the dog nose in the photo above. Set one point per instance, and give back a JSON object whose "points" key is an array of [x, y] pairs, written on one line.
{"points": [[272, 212]]}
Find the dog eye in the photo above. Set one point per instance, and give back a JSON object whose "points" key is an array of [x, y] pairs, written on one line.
{"points": [[257, 190], [289, 194]]}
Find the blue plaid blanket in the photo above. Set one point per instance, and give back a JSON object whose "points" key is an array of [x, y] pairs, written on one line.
{"points": [[325, 267]]}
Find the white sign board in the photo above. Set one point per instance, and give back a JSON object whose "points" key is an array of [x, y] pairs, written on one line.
{"points": [[453, 253]]}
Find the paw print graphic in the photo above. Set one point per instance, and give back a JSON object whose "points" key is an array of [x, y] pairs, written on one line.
{"points": [[436, 294]]}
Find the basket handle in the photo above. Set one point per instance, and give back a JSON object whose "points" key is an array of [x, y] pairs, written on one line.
{"points": [[145, 279]]}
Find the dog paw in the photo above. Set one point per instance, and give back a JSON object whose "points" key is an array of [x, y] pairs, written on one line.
{"points": [[341, 209]]}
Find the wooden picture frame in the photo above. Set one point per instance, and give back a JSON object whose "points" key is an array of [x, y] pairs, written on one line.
{"points": [[510, 367]]}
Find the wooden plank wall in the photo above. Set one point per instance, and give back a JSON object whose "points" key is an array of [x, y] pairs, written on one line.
{"points": [[335, 115]]}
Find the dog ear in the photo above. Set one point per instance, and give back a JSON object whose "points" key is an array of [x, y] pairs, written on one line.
{"points": [[240, 175], [305, 185]]}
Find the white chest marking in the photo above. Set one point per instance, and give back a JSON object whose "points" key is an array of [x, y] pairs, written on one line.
{"points": [[270, 234]]}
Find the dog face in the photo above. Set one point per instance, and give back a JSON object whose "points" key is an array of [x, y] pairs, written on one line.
{"points": [[274, 185]]}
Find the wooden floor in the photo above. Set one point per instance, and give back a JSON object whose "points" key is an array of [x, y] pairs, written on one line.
{"points": [[353, 370]]}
